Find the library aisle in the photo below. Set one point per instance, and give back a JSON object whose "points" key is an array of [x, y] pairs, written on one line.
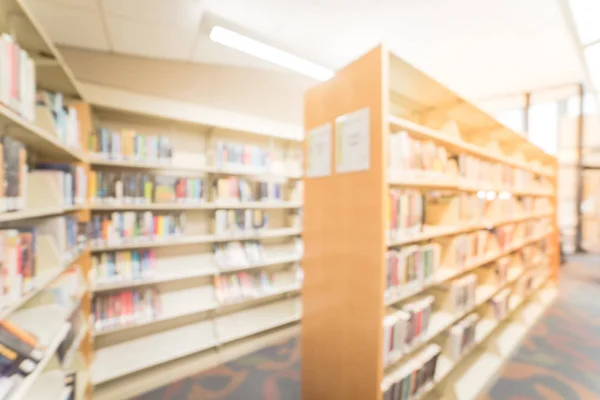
{"points": [[559, 359]]}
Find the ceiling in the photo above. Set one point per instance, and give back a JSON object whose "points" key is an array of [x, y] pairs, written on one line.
{"points": [[480, 48]]}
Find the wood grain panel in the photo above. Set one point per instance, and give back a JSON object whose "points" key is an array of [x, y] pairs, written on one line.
{"points": [[344, 225]]}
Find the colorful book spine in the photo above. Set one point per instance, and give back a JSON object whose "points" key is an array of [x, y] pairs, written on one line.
{"points": [[405, 216], [462, 293], [409, 269], [462, 336], [230, 154], [124, 227], [240, 286], [17, 78], [414, 377], [128, 145], [125, 307], [123, 265]]}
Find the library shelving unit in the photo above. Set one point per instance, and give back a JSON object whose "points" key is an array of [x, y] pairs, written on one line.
{"points": [[430, 237], [44, 259], [195, 251]]}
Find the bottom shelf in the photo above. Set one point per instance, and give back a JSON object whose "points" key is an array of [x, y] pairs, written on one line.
{"points": [[468, 379]]}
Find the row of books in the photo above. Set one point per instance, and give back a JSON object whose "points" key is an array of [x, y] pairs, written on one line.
{"points": [[17, 263], [123, 265], [462, 293], [238, 254], [109, 187], [415, 377], [130, 226], [406, 327], [129, 145], [13, 172], [234, 154], [240, 189], [408, 155], [65, 118], [239, 221], [17, 78], [462, 336], [536, 204], [500, 304], [125, 307], [410, 268], [422, 158], [406, 210], [240, 286], [232, 255], [537, 227], [20, 353]]}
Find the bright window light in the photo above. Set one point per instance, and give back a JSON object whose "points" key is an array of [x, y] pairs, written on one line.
{"points": [[268, 53], [585, 13], [592, 59]]}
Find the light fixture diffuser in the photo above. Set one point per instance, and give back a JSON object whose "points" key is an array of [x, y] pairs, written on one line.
{"points": [[268, 53]]}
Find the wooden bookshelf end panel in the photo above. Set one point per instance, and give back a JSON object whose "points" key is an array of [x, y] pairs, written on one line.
{"points": [[344, 225]]}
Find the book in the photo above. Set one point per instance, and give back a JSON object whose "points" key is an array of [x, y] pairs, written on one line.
{"points": [[406, 212], [240, 286], [125, 307], [17, 78], [410, 268], [414, 377], [128, 145], [123, 227], [232, 154], [462, 293], [462, 336], [123, 265]]}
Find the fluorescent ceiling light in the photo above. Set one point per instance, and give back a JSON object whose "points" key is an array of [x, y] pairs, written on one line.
{"points": [[585, 13], [592, 59], [269, 53]]}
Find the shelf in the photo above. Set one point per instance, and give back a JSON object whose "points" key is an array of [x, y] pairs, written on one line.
{"points": [[441, 321], [198, 206], [485, 329], [75, 346], [448, 274], [153, 280], [95, 160], [21, 391], [215, 310], [266, 263], [149, 322], [460, 145], [438, 232], [36, 138], [493, 348], [113, 362], [453, 184], [198, 239], [32, 214]]}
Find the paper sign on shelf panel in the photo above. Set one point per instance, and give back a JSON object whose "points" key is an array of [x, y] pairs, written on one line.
{"points": [[352, 146], [319, 151]]}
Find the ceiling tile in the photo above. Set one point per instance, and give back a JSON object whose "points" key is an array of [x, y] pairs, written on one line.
{"points": [[209, 52], [70, 26], [183, 13], [150, 40]]}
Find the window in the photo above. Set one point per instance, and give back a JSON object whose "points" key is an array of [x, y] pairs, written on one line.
{"points": [[512, 119], [543, 126]]}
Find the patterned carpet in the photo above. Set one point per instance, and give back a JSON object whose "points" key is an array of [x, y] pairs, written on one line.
{"points": [[559, 360]]}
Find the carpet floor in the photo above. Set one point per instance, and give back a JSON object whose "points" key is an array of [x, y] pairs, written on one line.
{"points": [[559, 359]]}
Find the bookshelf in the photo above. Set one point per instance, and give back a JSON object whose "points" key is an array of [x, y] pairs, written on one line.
{"points": [[430, 234], [45, 295], [223, 270]]}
